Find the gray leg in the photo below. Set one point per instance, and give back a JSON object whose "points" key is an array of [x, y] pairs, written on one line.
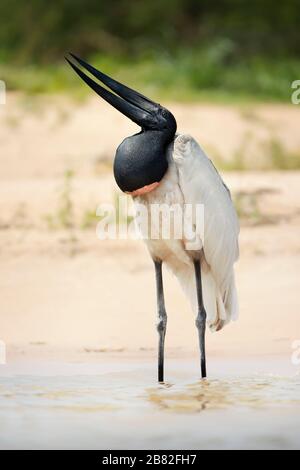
{"points": [[201, 317], [162, 319]]}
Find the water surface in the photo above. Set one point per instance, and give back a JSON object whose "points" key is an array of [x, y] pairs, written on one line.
{"points": [[118, 405]]}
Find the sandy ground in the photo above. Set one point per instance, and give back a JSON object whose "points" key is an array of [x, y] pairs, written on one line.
{"points": [[40, 138], [67, 297]]}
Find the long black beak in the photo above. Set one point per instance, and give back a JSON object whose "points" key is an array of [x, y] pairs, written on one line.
{"points": [[132, 104]]}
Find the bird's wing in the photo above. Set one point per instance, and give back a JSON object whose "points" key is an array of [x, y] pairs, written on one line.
{"points": [[200, 183]]}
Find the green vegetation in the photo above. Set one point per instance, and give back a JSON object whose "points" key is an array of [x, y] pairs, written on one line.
{"points": [[274, 156], [170, 49], [65, 218], [280, 158], [184, 76], [65, 213], [249, 206]]}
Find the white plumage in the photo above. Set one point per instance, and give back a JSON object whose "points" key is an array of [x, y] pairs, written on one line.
{"points": [[192, 179]]}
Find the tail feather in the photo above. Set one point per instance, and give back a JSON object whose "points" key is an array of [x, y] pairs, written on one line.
{"points": [[220, 309]]}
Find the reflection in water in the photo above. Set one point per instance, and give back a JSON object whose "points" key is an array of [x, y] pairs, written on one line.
{"points": [[123, 409], [117, 392], [218, 394]]}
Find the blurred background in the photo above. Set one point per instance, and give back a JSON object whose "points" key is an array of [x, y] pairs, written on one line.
{"points": [[77, 314], [179, 49], [225, 69]]}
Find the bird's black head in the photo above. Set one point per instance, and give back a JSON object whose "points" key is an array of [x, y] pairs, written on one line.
{"points": [[141, 160]]}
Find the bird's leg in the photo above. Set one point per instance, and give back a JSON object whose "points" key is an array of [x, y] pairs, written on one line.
{"points": [[162, 319], [201, 317]]}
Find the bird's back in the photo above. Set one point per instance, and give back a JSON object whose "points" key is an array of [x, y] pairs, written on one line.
{"points": [[192, 180]]}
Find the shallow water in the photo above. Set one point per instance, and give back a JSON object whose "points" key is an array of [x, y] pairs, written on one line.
{"points": [[118, 405]]}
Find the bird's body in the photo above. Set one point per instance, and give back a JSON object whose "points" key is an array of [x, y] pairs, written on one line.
{"points": [[192, 179], [162, 169]]}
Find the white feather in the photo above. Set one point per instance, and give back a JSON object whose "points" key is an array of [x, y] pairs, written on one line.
{"points": [[193, 179]]}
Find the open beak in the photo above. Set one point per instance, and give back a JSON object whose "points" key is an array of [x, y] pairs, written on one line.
{"points": [[132, 104]]}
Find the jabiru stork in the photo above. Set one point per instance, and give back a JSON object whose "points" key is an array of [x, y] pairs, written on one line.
{"points": [[159, 165]]}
